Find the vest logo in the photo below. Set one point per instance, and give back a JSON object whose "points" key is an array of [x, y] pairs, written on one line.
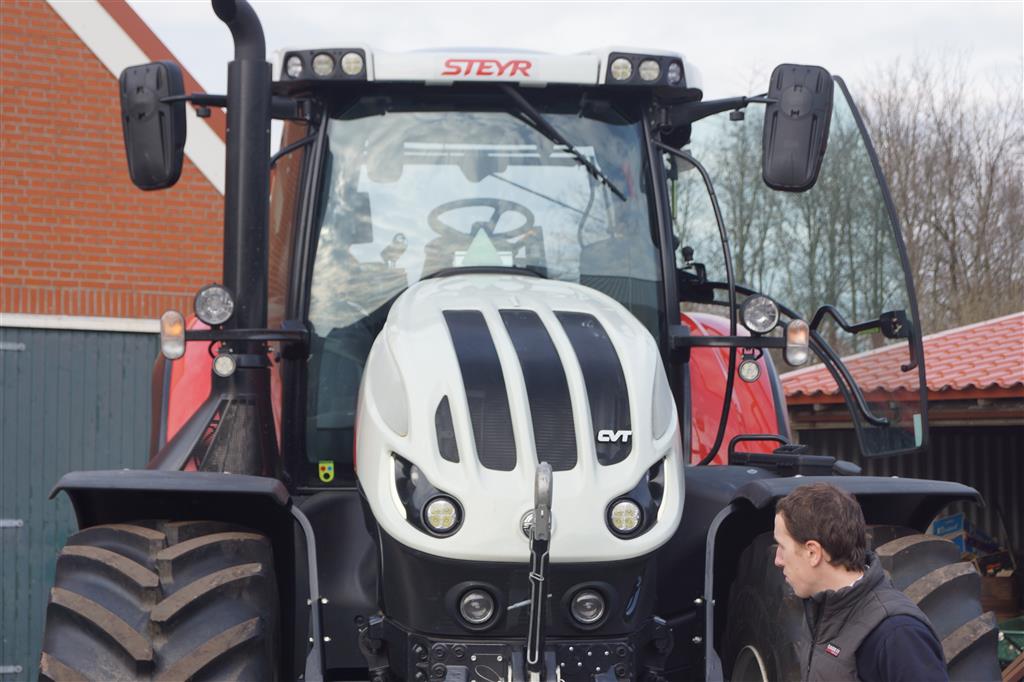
{"points": [[612, 436], [832, 649], [487, 67]]}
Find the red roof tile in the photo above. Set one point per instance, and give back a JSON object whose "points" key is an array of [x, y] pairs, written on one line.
{"points": [[980, 356]]}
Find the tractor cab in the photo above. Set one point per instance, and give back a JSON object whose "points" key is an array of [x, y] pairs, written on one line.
{"points": [[607, 170]]}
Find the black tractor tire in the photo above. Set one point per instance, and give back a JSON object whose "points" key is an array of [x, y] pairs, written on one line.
{"points": [[163, 600], [765, 619]]}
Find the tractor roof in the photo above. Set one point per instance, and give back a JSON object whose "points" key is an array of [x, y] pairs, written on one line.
{"points": [[474, 65]]}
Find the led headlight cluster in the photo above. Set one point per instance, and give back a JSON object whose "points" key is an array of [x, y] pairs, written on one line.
{"points": [[335, 64], [625, 516], [441, 514], [639, 69], [635, 511]]}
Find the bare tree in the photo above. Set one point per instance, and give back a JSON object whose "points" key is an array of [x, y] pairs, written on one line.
{"points": [[955, 165]]}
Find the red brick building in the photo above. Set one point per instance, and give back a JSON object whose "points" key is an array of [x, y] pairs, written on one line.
{"points": [[76, 237]]}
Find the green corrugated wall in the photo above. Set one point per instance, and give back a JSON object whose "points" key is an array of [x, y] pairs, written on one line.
{"points": [[69, 400]]}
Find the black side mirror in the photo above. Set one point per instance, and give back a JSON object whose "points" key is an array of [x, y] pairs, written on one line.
{"points": [[154, 129], [796, 126]]}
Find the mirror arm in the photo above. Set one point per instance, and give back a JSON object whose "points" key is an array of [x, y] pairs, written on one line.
{"points": [[199, 99], [284, 108], [688, 112], [832, 311]]}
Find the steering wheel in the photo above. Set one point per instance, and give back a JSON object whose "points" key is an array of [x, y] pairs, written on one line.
{"points": [[499, 207]]}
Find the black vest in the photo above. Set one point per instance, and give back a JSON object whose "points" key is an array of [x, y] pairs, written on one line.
{"points": [[840, 620]]}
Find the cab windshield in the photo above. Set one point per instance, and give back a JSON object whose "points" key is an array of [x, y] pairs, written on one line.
{"points": [[414, 190]]}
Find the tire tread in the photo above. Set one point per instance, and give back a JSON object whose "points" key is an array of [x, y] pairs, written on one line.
{"points": [[116, 613], [117, 630]]}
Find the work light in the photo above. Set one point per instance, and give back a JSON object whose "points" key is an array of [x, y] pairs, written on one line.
{"points": [[622, 69], [293, 67], [649, 70], [760, 314], [352, 63], [625, 516], [674, 73], [587, 606], [214, 305], [323, 64]]}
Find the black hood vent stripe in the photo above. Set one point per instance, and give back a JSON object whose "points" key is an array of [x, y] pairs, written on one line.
{"points": [[606, 385], [485, 389], [445, 429], [547, 390]]}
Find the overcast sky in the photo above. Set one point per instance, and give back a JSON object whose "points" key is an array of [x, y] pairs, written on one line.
{"points": [[728, 41]]}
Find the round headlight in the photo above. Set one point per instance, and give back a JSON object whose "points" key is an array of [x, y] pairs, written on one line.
{"points": [[625, 516], [622, 69], [352, 63], [587, 606], [760, 314], [293, 67], [323, 64], [441, 515], [749, 370], [476, 607], [649, 70], [224, 365], [675, 73], [214, 305]]}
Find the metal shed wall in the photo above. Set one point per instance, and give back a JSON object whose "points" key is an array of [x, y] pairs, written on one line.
{"points": [[988, 458], [69, 400]]}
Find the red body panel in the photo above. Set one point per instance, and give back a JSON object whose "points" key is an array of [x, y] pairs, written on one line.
{"points": [[753, 406]]}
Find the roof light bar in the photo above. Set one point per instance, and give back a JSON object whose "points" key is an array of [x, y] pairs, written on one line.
{"points": [[336, 64], [644, 70]]}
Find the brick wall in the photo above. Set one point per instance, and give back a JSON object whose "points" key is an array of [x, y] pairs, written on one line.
{"points": [[76, 237]]}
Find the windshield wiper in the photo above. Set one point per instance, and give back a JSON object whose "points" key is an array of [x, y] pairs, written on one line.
{"points": [[536, 120]]}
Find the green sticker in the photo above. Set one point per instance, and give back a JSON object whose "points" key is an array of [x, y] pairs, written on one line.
{"points": [[918, 430], [326, 470]]}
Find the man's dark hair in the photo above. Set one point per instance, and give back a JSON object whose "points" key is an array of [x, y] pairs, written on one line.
{"points": [[832, 517]]}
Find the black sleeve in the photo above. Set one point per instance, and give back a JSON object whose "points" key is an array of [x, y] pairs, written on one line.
{"points": [[901, 649]]}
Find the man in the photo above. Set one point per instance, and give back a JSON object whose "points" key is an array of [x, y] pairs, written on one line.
{"points": [[861, 626]]}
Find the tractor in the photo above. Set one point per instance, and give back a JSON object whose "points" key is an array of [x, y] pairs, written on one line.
{"points": [[489, 389]]}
